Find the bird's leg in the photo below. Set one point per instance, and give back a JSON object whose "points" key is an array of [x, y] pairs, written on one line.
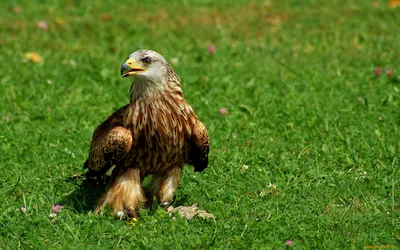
{"points": [[125, 193], [164, 186]]}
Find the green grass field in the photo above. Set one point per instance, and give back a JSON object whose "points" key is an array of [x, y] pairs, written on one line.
{"points": [[317, 128]]}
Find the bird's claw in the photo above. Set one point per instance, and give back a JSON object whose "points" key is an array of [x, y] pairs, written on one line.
{"points": [[120, 215], [165, 205]]}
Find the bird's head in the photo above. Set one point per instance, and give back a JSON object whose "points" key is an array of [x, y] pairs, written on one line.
{"points": [[145, 65]]}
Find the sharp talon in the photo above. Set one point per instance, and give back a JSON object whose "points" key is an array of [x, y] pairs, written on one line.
{"points": [[165, 205], [120, 215]]}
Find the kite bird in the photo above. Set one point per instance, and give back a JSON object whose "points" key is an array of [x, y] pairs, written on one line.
{"points": [[155, 134]]}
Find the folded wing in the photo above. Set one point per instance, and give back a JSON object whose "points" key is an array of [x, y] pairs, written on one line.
{"points": [[110, 143]]}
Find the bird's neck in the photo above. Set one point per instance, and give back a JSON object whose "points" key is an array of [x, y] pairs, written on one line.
{"points": [[144, 89], [150, 91]]}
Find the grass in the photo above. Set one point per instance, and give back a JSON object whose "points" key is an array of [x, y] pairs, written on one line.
{"points": [[307, 115]]}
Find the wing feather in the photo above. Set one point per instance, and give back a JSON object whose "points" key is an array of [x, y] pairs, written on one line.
{"points": [[199, 147], [110, 143]]}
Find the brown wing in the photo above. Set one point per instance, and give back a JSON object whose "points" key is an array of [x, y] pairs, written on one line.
{"points": [[199, 147], [110, 143]]}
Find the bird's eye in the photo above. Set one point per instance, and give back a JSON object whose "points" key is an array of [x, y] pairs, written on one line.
{"points": [[146, 60]]}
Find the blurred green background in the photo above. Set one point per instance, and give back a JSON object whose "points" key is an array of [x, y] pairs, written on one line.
{"points": [[312, 94]]}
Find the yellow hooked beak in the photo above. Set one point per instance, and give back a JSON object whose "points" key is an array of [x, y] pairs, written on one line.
{"points": [[129, 68]]}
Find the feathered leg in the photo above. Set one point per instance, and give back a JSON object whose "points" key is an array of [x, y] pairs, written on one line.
{"points": [[164, 186], [125, 193]]}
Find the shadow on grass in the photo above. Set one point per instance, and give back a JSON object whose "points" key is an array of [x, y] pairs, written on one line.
{"points": [[84, 198]]}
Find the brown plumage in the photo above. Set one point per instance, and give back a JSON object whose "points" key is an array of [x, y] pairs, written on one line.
{"points": [[156, 133]]}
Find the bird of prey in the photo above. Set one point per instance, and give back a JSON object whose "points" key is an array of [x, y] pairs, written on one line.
{"points": [[155, 134]]}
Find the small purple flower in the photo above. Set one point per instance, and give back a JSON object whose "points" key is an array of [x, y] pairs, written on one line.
{"points": [[389, 72], [211, 49], [289, 243], [22, 209], [378, 71], [57, 208], [43, 25], [223, 111]]}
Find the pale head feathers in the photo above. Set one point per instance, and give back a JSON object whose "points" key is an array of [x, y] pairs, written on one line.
{"points": [[156, 77]]}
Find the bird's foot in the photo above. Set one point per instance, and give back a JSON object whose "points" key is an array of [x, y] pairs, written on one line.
{"points": [[165, 205], [127, 214], [131, 213], [120, 215]]}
